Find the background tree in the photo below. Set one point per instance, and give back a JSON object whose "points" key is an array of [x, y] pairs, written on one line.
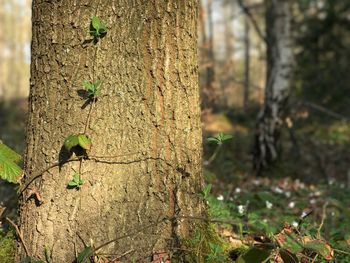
{"points": [[280, 61], [145, 160]]}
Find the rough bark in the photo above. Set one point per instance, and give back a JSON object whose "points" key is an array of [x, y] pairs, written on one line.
{"points": [[280, 61], [148, 119]]}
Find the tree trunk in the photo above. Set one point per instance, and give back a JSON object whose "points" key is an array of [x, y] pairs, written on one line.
{"points": [[145, 159], [210, 92], [228, 14], [280, 61], [246, 63]]}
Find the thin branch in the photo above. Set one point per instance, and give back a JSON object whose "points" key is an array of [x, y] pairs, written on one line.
{"points": [[324, 215], [112, 156], [326, 111], [87, 123], [19, 234], [255, 24], [213, 156], [96, 159], [39, 174]]}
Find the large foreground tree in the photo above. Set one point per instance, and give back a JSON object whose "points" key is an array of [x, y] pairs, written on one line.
{"points": [[280, 60], [142, 173]]}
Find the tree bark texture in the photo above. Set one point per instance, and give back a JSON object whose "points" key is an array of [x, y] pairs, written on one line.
{"points": [[145, 128], [280, 61]]}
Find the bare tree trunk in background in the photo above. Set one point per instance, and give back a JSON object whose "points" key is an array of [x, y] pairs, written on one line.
{"points": [[246, 63], [2, 42], [210, 94], [146, 124], [14, 36], [228, 11], [280, 61]]}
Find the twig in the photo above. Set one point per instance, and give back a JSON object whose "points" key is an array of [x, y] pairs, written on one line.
{"points": [[341, 251], [125, 253], [314, 259], [39, 174], [213, 156], [96, 159], [208, 220], [326, 111], [113, 156], [89, 115], [19, 234], [324, 215], [246, 10]]}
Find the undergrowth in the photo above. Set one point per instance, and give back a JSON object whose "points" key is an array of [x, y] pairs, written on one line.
{"points": [[7, 245]]}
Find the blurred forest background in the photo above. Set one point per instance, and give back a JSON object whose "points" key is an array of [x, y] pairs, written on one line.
{"points": [[266, 66]]}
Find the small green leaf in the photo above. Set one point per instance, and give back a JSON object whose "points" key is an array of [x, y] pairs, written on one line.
{"points": [[87, 85], [48, 256], [225, 137], [102, 30], [76, 181], [96, 23], [84, 141], [206, 191], [84, 255], [71, 141], [9, 169], [97, 84], [320, 247], [292, 244], [72, 184], [288, 257], [212, 139], [254, 255]]}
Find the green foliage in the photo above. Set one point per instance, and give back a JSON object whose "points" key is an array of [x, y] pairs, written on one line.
{"points": [[323, 40], [206, 246], [76, 181], [92, 89], [9, 159], [84, 255], [206, 191], [7, 247], [279, 223], [48, 254], [216, 254], [74, 140], [98, 28], [220, 138], [254, 255]]}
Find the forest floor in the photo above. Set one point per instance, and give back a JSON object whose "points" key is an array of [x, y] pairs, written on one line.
{"points": [[304, 198]]}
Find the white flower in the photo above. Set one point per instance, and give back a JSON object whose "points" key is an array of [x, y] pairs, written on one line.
{"points": [[278, 190], [295, 224], [268, 205], [291, 204], [238, 190], [241, 209], [303, 214], [220, 197], [313, 201], [288, 194]]}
